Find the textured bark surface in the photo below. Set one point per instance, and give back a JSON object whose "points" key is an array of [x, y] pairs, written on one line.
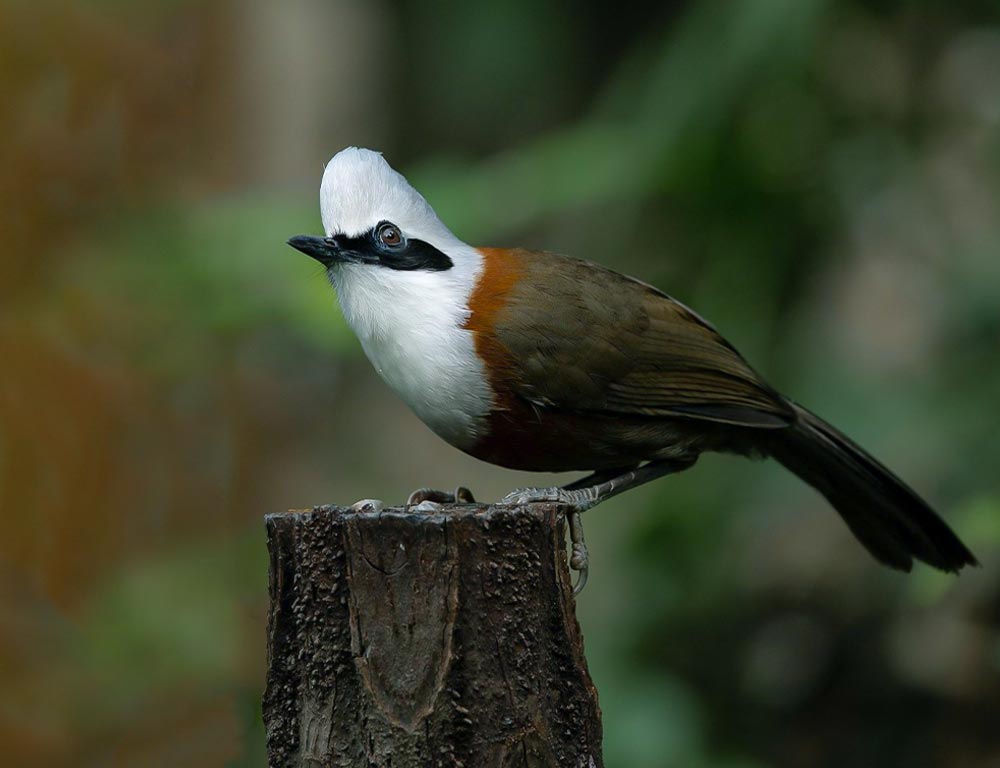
{"points": [[404, 640]]}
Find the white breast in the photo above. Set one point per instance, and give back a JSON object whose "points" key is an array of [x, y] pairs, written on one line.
{"points": [[410, 327]]}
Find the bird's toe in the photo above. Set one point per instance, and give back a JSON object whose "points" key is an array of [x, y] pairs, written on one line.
{"points": [[461, 495], [426, 506], [368, 505], [533, 495], [428, 494]]}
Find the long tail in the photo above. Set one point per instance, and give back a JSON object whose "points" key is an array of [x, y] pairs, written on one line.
{"points": [[893, 523]]}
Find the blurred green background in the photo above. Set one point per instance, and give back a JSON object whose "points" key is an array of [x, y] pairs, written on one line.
{"points": [[820, 179]]}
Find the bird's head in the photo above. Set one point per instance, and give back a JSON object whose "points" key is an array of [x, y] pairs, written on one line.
{"points": [[374, 220], [398, 270]]}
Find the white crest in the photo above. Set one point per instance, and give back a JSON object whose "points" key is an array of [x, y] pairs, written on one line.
{"points": [[360, 189], [410, 322]]}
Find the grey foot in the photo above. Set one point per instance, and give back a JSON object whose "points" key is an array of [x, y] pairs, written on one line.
{"points": [[579, 559], [462, 495], [578, 501], [582, 499], [368, 505], [592, 490]]}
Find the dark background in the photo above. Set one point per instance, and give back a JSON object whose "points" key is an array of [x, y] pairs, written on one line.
{"points": [[820, 179]]}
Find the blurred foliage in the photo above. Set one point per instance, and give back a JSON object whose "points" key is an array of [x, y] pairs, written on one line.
{"points": [[821, 180]]}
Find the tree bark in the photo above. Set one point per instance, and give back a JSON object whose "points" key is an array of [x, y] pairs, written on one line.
{"points": [[406, 640]]}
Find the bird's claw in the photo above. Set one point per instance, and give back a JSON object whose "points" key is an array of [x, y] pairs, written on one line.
{"points": [[425, 506], [461, 495], [368, 505], [579, 559]]}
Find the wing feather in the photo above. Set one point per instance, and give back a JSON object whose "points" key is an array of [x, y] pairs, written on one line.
{"points": [[589, 339]]}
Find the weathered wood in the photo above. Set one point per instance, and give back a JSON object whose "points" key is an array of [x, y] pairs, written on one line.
{"points": [[406, 640]]}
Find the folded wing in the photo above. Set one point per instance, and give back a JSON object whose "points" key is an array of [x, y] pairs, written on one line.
{"points": [[589, 339]]}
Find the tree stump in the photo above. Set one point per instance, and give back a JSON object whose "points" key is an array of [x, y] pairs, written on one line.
{"points": [[405, 640]]}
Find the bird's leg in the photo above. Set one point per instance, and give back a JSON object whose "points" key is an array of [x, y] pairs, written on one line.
{"points": [[579, 559], [461, 495], [599, 487], [588, 492]]}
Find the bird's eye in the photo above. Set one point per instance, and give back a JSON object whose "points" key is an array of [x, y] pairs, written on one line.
{"points": [[389, 234]]}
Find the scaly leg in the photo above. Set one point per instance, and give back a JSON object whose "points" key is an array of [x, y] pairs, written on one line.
{"points": [[588, 492], [579, 559]]}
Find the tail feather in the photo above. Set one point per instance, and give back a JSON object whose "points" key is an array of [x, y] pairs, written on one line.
{"points": [[885, 514]]}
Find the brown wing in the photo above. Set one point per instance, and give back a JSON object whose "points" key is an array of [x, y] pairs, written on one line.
{"points": [[589, 339]]}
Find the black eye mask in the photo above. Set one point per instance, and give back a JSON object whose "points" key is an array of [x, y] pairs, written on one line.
{"points": [[409, 255]]}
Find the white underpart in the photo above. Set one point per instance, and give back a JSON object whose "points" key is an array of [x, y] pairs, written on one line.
{"points": [[410, 323]]}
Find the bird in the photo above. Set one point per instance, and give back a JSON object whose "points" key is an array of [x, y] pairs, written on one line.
{"points": [[533, 360]]}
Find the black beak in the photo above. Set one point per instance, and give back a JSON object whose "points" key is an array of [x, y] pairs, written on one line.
{"points": [[325, 250]]}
